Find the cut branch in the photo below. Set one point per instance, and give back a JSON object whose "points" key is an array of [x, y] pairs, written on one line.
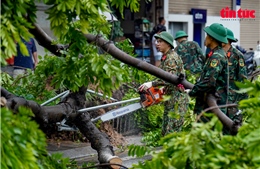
{"points": [[45, 115], [225, 120], [45, 41], [110, 48]]}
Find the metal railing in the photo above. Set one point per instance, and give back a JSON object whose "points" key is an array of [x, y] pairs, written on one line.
{"points": [[125, 125]]}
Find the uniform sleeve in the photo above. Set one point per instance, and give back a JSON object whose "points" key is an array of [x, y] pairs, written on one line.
{"points": [[176, 49], [200, 53], [207, 82], [242, 73]]}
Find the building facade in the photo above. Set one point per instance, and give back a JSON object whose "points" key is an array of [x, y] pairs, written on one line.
{"points": [[192, 16], [188, 15], [250, 28]]}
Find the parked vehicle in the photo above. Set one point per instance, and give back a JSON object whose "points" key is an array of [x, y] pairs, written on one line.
{"points": [[242, 50], [249, 61], [257, 56]]}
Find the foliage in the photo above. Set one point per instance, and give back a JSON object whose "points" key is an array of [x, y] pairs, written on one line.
{"points": [[69, 20], [152, 138], [206, 147], [138, 151], [23, 144], [29, 86]]}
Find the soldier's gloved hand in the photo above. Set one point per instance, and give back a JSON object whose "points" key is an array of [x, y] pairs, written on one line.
{"points": [[187, 91], [145, 86]]}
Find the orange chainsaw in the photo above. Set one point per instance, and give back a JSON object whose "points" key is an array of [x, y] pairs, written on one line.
{"points": [[147, 98], [151, 96]]}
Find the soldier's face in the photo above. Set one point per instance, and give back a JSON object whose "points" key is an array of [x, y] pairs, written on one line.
{"points": [[207, 41], [162, 46]]}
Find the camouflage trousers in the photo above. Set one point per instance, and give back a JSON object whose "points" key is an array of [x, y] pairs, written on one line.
{"points": [[234, 98], [174, 111]]}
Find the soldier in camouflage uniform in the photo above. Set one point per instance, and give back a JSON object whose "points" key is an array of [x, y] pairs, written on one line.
{"points": [[190, 53], [237, 72], [178, 102], [213, 79]]}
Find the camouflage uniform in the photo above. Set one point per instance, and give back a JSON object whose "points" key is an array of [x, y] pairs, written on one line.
{"points": [[213, 80], [237, 72], [178, 101], [191, 55]]}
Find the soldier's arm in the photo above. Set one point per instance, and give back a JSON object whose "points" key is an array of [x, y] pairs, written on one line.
{"points": [[208, 81]]}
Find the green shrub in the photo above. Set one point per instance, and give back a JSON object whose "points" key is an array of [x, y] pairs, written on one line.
{"points": [[22, 143]]}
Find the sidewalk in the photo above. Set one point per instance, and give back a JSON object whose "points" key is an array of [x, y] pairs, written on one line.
{"points": [[82, 152]]}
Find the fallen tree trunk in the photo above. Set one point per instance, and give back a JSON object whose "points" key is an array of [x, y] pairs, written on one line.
{"points": [[67, 109]]}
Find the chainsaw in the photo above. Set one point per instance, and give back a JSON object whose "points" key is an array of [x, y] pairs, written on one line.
{"points": [[149, 97]]}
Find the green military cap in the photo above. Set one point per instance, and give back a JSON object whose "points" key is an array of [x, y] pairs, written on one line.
{"points": [[217, 31], [167, 37], [180, 34], [230, 35]]}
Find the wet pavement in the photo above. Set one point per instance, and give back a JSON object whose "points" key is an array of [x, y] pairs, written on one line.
{"points": [[83, 153]]}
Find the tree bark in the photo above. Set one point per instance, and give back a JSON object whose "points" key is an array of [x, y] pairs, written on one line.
{"points": [[226, 121], [67, 109]]}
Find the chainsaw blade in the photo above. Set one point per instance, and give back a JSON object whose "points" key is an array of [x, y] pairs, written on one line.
{"points": [[120, 112]]}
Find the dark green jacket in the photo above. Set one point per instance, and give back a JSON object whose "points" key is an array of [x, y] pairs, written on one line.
{"points": [[191, 55], [213, 80], [237, 73], [237, 68]]}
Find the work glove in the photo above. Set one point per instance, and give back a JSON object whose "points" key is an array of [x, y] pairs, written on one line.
{"points": [[187, 91], [180, 87], [145, 86]]}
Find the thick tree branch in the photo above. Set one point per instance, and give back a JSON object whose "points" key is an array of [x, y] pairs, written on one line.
{"points": [[45, 41], [110, 48], [45, 115], [226, 121]]}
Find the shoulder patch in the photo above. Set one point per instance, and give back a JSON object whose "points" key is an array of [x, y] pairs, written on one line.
{"points": [[241, 63], [214, 63]]}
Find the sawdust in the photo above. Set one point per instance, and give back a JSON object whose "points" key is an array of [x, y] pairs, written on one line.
{"points": [[116, 139]]}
